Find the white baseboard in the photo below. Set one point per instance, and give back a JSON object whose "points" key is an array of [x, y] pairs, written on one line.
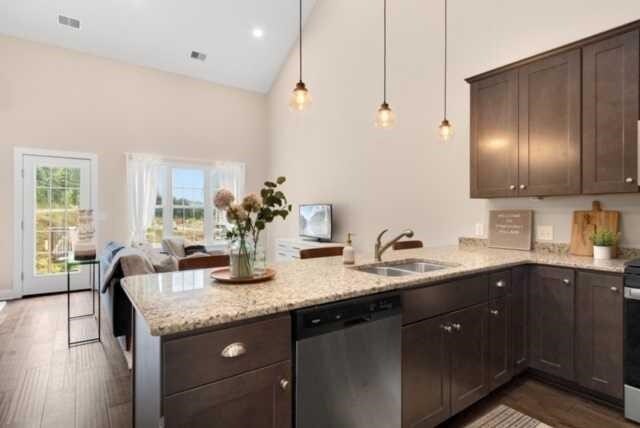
{"points": [[9, 295]]}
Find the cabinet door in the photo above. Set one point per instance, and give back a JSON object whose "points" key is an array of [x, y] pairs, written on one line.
{"points": [[519, 319], [258, 399], [599, 308], [494, 151], [552, 322], [549, 121], [425, 374], [500, 364], [469, 343], [610, 115]]}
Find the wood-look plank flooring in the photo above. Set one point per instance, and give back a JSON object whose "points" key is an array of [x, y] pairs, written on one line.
{"points": [[548, 404], [45, 384]]}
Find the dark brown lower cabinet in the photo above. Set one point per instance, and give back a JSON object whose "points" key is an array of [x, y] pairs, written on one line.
{"points": [[500, 366], [552, 320], [599, 314], [519, 319], [469, 344], [444, 362], [425, 374], [256, 399]]}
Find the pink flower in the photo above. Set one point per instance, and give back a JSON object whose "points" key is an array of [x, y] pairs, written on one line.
{"points": [[251, 202], [235, 213], [223, 199]]}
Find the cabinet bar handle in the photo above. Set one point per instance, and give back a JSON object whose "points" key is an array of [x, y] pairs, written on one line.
{"points": [[500, 284], [234, 350]]}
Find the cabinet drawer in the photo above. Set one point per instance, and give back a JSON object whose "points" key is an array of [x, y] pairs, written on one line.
{"points": [[434, 300], [257, 399], [203, 358], [499, 284]]}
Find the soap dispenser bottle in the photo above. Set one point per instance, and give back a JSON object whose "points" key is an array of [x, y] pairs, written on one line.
{"points": [[348, 254]]}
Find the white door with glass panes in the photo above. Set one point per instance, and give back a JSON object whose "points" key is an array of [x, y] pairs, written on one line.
{"points": [[54, 189]]}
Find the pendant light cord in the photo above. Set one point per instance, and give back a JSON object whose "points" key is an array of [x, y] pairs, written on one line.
{"points": [[300, 39], [385, 54], [445, 58]]}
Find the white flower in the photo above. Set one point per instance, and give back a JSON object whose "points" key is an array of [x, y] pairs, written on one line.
{"points": [[223, 199], [251, 202], [235, 213]]}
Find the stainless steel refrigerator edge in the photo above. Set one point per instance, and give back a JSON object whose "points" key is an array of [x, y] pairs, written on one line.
{"points": [[632, 340]]}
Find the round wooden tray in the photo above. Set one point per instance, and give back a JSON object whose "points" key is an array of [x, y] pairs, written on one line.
{"points": [[223, 276]]}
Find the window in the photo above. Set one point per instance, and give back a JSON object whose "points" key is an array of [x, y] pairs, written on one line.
{"points": [[184, 201]]}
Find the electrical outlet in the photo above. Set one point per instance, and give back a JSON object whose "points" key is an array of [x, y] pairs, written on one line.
{"points": [[544, 233], [479, 229]]}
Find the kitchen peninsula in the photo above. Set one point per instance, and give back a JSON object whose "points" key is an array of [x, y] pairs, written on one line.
{"points": [[205, 350]]}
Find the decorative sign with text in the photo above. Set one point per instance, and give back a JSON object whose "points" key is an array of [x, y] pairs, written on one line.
{"points": [[511, 229]]}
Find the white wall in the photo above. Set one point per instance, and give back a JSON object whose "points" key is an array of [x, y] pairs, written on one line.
{"points": [[57, 99], [405, 177]]}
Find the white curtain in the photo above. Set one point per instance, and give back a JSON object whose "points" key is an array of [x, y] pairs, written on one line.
{"points": [[231, 176], [142, 175]]}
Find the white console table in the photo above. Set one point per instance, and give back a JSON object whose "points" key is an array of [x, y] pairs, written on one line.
{"points": [[289, 249]]}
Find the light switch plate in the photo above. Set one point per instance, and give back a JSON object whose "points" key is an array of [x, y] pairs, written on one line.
{"points": [[479, 229], [544, 233]]}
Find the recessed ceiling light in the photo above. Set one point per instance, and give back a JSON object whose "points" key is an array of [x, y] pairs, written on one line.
{"points": [[69, 22], [257, 32], [198, 55]]}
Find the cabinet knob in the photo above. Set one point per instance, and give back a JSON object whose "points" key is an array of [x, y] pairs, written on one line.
{"points": [[284, 384], [494, 312], [500, 284], [628, 180], [456, 326], [566, 281], [512, 187], [234, 350], [523, 186], [614, 289], [447, 328]]}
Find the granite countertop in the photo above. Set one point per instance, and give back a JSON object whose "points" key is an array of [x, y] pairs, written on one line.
{"points": [[179, 302]]}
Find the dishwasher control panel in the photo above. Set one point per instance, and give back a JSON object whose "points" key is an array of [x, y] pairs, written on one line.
{"points": [[325, 318]]}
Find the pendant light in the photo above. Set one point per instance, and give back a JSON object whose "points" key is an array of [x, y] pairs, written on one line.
{"points": [[385, 117], [300, 98], [446, 128]]}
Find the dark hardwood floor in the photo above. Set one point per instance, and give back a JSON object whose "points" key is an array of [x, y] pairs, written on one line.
{"points": [[45, 384], [548, 404]]}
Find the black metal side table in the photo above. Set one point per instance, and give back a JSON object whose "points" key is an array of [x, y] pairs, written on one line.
{"points": [[94, 270]]}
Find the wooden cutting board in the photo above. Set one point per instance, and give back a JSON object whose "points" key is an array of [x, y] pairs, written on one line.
{"points": [[587, 222]]}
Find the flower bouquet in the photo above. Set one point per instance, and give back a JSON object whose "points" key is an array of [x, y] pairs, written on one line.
{"points": [[248, 219]]}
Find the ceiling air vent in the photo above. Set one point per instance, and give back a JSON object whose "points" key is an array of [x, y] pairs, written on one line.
{"points": [[198, 55], [69, 22]]}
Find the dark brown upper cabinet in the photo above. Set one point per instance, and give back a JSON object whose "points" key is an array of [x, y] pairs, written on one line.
{"points": [[611, 98], [549, 126], [575, 126], [494, 138]]}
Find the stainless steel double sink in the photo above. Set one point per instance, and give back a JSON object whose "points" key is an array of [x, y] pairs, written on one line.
{"points": [[403, 268]]}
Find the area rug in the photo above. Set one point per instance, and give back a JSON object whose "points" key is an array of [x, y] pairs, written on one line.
{"points": [[506, 417]]}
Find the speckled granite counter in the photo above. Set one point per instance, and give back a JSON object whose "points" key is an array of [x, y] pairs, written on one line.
{"points": [[185, 301]]}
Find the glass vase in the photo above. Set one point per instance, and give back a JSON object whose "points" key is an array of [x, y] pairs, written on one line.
{"points": [[241, 258]]}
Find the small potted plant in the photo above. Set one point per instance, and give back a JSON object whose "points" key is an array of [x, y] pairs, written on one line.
{"points": [[604, 244]]}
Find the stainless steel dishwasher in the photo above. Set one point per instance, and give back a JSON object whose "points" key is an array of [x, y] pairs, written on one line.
{"points": [[348, 364]]}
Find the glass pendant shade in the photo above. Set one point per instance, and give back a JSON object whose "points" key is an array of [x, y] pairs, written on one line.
{"points": [[445, 130], [385, 117], [300, 98]]}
